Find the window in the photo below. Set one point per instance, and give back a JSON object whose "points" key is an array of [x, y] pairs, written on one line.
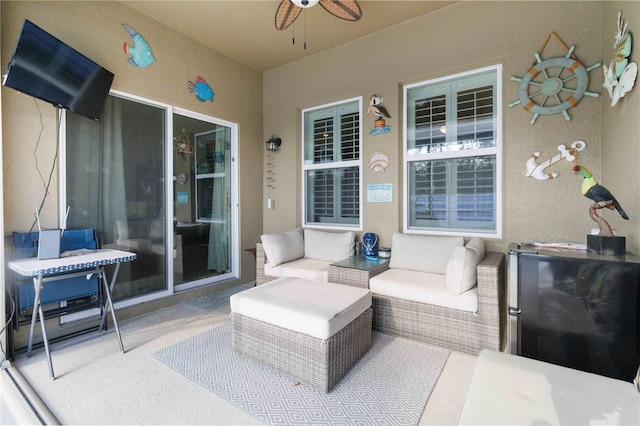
{"points": [[452, 154], [331, 165]]}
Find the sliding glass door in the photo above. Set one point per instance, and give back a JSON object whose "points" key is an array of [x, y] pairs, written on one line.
{"points": [[114, 175], [202, 200], [114, 180]]}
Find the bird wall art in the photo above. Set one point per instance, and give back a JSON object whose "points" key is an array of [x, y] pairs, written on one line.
{"points": [[380, 112], [602, 198]]}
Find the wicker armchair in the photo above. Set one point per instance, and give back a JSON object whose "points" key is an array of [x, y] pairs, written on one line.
{"points": [[301, 253], [452, 328]]}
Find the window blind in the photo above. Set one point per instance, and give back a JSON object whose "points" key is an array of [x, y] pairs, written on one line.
{"points": [[475, 114], [430, 118], [451, 162], [323, 141], [349, 137], [350, 193]]}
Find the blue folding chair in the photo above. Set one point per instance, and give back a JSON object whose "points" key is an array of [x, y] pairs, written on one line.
{"points": [[64, 290]]}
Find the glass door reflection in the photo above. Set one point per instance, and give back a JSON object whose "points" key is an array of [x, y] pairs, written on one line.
{"points": [[114, 184], [202, 188]]}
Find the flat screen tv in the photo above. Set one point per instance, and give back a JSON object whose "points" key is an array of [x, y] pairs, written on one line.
{"points": [[46, 68]]}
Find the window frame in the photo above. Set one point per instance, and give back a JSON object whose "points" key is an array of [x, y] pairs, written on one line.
{"points": [[450, 155], [332, 165]]}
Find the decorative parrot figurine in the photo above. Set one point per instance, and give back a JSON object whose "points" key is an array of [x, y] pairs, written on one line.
{"points": [[596, 192], [602, 198]]}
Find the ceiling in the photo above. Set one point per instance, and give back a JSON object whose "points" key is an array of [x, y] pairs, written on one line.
{"points": [[245, 29]]}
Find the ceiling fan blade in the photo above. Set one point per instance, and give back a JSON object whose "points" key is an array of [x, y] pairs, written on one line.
{"points": [[285, 15], [345, 9]]}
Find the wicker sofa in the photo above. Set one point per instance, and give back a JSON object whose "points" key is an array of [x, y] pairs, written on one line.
{"points": [[411, 298], [301, 254], [439, 291]]}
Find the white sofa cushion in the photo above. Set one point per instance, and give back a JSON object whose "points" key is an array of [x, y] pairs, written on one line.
{"points": [[422, 287], [422, 252], [329, 246], [310, 269], [293, 303], [462, 266], [283, 247]]}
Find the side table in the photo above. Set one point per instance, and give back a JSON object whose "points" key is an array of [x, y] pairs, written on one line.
{"points": [[356, 271]]}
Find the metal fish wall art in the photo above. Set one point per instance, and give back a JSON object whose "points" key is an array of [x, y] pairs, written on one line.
{"points": [[202, 90], [140, 52]]}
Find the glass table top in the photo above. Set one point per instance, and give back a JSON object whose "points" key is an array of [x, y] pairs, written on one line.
{"points": [[360, 262]]}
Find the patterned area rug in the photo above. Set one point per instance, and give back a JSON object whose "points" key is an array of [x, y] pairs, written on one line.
{"points": [[390, 385], [214, 300]]}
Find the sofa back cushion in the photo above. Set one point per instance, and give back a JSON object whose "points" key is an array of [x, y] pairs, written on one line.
{"points": [[422, 253], [462, 268], [283, 247], [328, 246]]}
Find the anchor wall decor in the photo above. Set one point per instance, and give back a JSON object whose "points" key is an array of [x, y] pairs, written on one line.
{"points": [[537, 170]]}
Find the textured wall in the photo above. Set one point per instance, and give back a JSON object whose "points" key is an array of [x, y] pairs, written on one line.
{"points": [[94, 29], [462, 37], [621, 129]]}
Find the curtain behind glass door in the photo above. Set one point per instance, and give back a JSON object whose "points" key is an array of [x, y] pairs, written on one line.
{"points": [[114, 183]]}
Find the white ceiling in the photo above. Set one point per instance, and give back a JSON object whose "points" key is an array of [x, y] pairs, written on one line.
{"points": [[245, 29]]}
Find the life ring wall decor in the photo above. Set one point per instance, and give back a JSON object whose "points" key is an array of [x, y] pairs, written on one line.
{"points": [[554, 85]]}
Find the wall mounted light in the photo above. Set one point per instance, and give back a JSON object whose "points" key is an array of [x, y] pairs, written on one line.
{"points": [[273, 144]]}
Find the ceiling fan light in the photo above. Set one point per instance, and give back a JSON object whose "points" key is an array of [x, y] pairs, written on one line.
{"points": [[305, 4]]}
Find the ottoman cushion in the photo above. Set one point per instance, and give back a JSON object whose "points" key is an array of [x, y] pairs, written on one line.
{"points": [[315, 308]]}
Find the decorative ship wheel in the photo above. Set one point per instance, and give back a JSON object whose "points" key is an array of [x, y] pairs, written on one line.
{"points": [[552, 86]]}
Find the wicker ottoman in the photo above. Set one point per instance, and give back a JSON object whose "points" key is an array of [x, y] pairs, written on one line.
{"points": [[310, 330]]}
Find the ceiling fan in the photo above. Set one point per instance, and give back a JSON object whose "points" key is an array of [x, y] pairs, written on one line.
{"points": [[289, 10]]}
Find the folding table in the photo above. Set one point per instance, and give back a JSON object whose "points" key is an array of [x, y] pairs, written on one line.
{"points": [[87, 264]]}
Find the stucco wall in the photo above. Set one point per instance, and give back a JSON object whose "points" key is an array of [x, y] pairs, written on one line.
{"points": [[462, 37], [94, 29], [621, 128]]}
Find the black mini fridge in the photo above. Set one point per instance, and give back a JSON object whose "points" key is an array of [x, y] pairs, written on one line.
{"points": [[576, 309]]}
